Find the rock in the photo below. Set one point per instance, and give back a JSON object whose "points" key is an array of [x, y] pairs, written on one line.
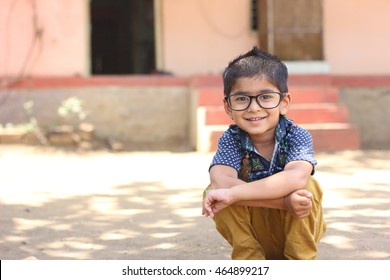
{"points": [[12, 135], [62, 135], [115, 145], [85, 145], [86, 131]]}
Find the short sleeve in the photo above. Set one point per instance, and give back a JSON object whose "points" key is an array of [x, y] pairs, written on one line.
{"points": [[228, 152], [301, 147]]}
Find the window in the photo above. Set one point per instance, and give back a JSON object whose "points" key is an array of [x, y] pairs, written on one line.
{"points": [[254, 15]]}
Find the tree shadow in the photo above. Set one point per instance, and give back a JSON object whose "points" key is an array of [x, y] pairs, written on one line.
{"points": [[148, 206], [356, 204], [141, 220], [359, 228]]}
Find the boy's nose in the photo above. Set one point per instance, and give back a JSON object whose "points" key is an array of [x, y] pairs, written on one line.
{"points": [[254, 106]]}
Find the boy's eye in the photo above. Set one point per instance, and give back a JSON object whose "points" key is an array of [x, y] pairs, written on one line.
{"points": [[241, 98], [266, 96]]}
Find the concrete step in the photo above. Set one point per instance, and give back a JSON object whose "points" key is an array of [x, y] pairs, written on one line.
{"points": [[313, 94], [300, 113], [315, 105], [326, 137], [318, 113], [210, 96], [334, 136], [322, 80]]}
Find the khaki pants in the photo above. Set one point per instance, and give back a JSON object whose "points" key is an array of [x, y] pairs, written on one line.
{"points": [[264, 233]]}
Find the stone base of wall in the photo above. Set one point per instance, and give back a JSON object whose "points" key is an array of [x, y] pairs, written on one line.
{"points": [[133, 118], [369, 111], [155, 113]]}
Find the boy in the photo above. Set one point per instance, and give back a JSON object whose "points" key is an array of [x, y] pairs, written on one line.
{"points": [[262, 197]]}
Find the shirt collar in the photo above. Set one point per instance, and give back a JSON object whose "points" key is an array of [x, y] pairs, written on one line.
{"points": [[281, 131]]}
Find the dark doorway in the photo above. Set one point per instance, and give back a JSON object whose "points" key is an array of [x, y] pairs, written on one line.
{"points": [[292, 30], [122, 37]]}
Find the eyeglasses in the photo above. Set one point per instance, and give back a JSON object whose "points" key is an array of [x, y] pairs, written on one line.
{"points": [[241, 102]]}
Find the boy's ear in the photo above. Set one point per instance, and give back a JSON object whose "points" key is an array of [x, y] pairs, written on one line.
{"points": [[227, 109], [285, 104]]}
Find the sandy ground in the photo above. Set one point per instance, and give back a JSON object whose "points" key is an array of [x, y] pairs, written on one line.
{"points": [[58, 204]]}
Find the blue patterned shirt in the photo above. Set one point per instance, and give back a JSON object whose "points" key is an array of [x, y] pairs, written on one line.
{"points": [[235, 149]]}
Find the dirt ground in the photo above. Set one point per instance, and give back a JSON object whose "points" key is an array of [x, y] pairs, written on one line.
{"points": [[59, 204]]}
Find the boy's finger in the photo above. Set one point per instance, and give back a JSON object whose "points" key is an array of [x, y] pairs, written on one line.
{"points": [[305, 202], [208, 209], [305, 193], [209, 213]]}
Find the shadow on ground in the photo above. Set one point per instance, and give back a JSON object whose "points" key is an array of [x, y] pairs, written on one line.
{"points": [[65, 205], [357, 204], [137, 221]]}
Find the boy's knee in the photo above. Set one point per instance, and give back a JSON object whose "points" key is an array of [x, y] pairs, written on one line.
{"points": [[247, 249], [232, 218], [314, 187]]}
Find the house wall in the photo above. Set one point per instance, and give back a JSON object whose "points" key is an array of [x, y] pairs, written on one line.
{"points": [[200, 37], [48, 39], [355, 38], [197, 36]]}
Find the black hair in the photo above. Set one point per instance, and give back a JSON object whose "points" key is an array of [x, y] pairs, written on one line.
{"points": [[256, 63]]}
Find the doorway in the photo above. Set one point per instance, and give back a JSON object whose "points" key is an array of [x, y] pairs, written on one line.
{"points": [[291, 30], [122, 37]]}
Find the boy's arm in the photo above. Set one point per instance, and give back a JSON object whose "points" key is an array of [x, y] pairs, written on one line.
{"points": [[224, 177], [294, 177], [292, 180]]}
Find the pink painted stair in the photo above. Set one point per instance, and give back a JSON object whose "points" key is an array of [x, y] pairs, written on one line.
{"points": [[314, 107]]}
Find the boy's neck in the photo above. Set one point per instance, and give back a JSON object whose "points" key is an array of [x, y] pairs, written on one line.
{"points": [[264, 139], [265, 143]]}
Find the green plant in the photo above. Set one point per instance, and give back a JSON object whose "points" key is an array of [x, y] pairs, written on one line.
{"points": [[72, 107], [31, 126]]}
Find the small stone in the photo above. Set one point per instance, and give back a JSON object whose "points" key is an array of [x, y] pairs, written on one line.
{"points": [[115, 145], [86, 131]]}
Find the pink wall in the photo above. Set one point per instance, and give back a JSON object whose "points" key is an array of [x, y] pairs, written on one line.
{"points": [[62, 49], [197, 36], [201, 36], [357, 38]]}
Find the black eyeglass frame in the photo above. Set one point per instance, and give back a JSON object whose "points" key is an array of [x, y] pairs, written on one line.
{"points": [[281, 95]]}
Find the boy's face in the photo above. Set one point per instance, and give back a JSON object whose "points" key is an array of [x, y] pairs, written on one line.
{"points": [[258, 122]]}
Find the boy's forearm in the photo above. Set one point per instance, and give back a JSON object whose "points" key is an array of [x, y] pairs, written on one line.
{"points": [[231, 182], [228, 182], [294, 177], [272, 187], [225, 182]]}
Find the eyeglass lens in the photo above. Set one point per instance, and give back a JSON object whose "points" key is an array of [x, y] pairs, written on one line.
{"points": [[265, 100]]}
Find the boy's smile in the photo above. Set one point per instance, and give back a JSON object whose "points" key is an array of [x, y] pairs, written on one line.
{"points": [[255, 119], [258, 122]]}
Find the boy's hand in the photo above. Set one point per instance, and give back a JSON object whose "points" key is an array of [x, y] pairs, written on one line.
{"points": [[215, 201], [205, 192], [299, 203]]}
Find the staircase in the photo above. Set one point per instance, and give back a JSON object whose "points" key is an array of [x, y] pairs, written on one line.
{"points": [[315, 106]]}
